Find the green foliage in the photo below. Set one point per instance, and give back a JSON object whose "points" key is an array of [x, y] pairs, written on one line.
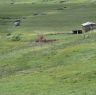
{"points": [[14, 37], [8, 34], [64, 67]]}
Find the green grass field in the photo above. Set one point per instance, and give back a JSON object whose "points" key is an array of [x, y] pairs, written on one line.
{"points": [[63, 67]]}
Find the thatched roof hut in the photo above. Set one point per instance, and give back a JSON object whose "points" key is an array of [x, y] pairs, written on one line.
{"points": [[88, 26]]}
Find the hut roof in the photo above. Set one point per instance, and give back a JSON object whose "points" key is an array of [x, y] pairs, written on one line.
{"points": [[87, 23]]}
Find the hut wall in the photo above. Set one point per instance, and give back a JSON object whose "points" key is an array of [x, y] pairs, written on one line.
{"points": [[89, 27]]}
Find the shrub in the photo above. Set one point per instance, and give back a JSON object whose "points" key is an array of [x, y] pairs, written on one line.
{"points": [[8, 34], [16, 37]]}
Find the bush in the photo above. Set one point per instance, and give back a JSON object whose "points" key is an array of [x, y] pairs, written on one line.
{"points": [[16, 37], [8, 34]]}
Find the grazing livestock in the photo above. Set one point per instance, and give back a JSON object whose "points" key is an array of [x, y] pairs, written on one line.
{"points": [[40, 38]]}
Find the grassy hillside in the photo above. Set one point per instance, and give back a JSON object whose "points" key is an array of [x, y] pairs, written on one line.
{"points": [[46, 18], [63, 67]]}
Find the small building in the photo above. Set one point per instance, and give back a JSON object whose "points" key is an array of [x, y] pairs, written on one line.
{"points": [[88, 26], [77, 31], [17, 22]]}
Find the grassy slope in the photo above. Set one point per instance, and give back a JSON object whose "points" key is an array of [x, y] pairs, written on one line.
{"points": [[49, 18], [66, 67]]}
